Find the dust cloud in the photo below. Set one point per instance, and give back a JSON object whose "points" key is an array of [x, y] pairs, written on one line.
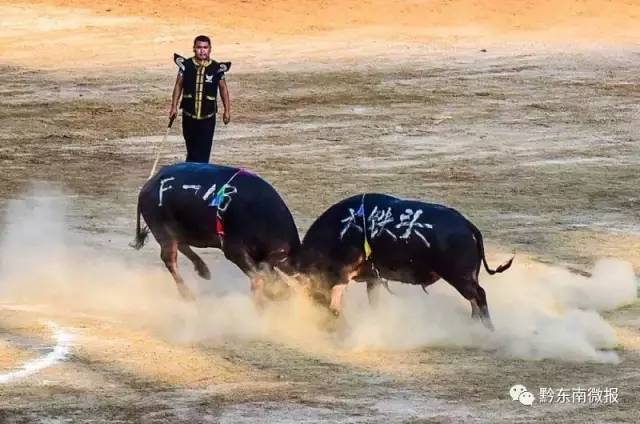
{"points": [[539, 311]]}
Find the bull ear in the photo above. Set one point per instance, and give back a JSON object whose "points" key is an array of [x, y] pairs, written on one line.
{"points": [[179, 61], [224, 66]]}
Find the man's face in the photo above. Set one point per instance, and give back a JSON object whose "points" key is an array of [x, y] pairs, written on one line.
{"points": [[202, 50]]}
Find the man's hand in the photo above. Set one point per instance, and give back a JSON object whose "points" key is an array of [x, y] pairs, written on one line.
{"points": [[224, 94], [173, 111]]}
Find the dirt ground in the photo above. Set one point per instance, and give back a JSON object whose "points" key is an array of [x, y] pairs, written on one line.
{"points": [[518, 114]]}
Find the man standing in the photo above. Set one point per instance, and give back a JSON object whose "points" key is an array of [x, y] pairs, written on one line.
{"points": [[197, 83]]}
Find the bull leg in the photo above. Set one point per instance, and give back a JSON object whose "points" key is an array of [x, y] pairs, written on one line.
{"points": [[336, 298], [371, 290], [475, 309], [471, 290], [484, 309], [237, 254], [343, 277], [198, 263], [371, 286], [169, 255], [257, 291]]}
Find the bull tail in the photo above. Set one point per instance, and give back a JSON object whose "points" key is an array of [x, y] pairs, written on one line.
{"points": [[141, 233], [501, 268]]}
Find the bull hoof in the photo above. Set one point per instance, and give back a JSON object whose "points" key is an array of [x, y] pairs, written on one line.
{"points": [[204, 272], [488, 324], [486, 321], [186, 294], [259, 303]]}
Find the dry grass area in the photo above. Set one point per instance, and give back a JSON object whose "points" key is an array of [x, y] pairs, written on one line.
{"points": [[255, 35]]}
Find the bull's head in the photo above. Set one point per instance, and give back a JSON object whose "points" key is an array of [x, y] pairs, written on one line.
{"points": [[285, 284]]}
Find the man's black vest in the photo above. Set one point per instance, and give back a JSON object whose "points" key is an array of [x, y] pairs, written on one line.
{"points": [[200, 86]]}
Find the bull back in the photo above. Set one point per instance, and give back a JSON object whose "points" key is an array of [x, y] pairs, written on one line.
{"points": [[206, 205]]}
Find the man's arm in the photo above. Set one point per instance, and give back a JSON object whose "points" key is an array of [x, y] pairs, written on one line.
{"points": [[175, 97], [226, 102]]}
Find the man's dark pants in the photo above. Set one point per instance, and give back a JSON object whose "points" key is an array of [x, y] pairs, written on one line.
{"points": [[198, 136]]}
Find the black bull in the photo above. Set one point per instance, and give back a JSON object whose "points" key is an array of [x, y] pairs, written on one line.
{"points": [[204, 205], [370, 237]]}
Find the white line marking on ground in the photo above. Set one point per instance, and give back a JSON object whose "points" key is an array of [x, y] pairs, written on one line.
{"points": [[59, 353]]}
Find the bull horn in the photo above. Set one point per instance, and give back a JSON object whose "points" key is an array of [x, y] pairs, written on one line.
{"points": [[282, 275]]}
